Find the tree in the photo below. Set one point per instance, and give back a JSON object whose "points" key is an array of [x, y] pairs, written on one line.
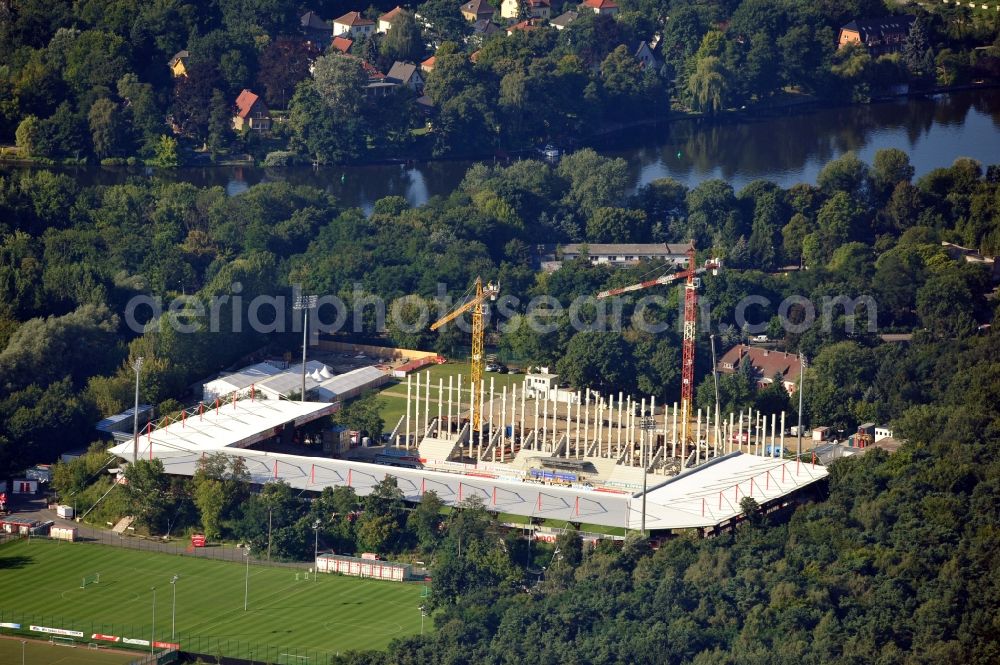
{"points": [[708, 85], [146, 488], [917, 53], [141, 111], [192, 103], [944, 304], [847, 174], [424, 522], [403, 40], [446, 20], [107, 127], [409, 321], [165, 152], [616, 225], [340, 82], [363, 416], [220, 124], [600, 360], [890, 167], [594, 181], [319, 132], [283, 64], [27, 135]]}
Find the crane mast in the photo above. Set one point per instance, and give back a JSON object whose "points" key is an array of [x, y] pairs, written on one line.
{"points": [[475, 305], [687, 356], [689, 275]]}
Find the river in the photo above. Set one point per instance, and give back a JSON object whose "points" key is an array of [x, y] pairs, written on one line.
{"points": [[786, 149]]}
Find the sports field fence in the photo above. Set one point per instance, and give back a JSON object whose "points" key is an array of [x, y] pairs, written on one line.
{"points": [[209, 648]]}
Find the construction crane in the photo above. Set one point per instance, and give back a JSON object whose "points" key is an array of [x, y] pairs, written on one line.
{"points": [[691, 283], [475, 304]]}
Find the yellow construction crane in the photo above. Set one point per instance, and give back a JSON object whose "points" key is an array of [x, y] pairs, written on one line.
{"points": [[476, 305]]}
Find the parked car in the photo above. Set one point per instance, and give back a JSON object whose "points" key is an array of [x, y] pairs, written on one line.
{"points": [[761, 338]]}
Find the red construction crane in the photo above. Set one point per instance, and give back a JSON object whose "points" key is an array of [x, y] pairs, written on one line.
{"points": [[690, 322]]}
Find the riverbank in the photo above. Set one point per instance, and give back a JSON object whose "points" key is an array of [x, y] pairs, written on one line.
{"points": [[785, 146]]}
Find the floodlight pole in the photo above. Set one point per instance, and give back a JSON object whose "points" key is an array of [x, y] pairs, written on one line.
{"points": [[152, 632], [798, 453], [315, 549], [246, 580], [173, 608], [647, 425], [305, 303], [23, 642], [136, 365]]}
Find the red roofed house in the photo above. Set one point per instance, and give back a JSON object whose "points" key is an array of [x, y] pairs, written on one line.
{"points": [[428, 64], [386, 19], [342, 44], [535, 8], [530, 24], [251, 112], [766, 364], [354, 25], [600, 7]]}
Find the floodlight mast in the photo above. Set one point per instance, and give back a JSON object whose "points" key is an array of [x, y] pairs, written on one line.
{"points": [[137, 366], [305, 303]]}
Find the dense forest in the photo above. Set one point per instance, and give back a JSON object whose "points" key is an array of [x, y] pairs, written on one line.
{"points": [[90, 80]]}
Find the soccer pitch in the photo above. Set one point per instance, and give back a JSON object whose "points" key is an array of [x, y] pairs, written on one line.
{"points": [[284, 616], [43, 653]]}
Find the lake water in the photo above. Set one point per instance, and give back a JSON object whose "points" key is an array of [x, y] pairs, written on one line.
{"points": [[786, 149]]}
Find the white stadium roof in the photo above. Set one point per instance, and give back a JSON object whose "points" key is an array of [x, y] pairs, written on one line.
{"points": [[701, 497], [233, 425]]}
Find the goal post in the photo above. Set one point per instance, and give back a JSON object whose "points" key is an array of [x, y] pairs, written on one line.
{"points": [[90, 579], [62, 642]]}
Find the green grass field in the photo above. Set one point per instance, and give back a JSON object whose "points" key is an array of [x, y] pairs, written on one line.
{"points": [[42, 653], [394, 396], [325, 615]]}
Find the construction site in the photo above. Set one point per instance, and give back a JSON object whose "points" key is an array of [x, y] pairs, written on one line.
{"points": [[539, 450]]}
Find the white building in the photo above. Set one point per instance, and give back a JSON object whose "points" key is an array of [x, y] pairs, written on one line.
{"points": [[546, 386], [238, 381], [354, 25], [627, 253]]}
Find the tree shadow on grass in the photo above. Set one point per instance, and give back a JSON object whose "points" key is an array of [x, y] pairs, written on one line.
{"points": [[14, 562]]}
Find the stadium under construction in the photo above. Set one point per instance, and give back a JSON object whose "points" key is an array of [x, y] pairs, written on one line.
{"points": [[541, 452]]}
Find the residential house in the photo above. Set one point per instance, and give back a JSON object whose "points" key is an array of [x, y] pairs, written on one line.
{"points": [[428, 64], [600, 7], [178, 63], [644, 54], [563, 20], [526, 25], [627, 253], [386, 19], [959, 253], [878, 35], [477, 10], [342, 44], [484, 29], [766, 365], [314, 28], [251, 112], [353, 25], [536, 9], [406, 73]]}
